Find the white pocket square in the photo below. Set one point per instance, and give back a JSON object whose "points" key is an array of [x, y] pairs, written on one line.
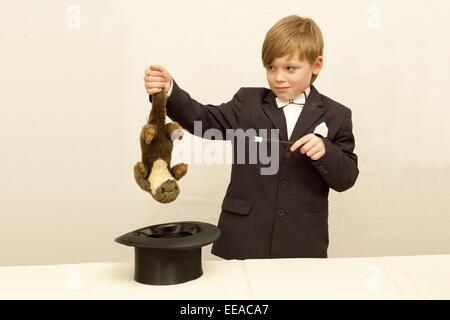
{"points": [[322, 130]]}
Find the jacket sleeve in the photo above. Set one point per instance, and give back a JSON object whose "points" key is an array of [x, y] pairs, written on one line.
{"points": [[339, 166], [185, 110]]}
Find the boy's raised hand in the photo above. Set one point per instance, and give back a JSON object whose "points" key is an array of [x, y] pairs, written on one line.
{"points": [[310, 144], [156, 78]]}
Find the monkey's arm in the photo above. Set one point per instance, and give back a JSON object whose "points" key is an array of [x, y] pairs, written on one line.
{"points": [[174, 131], [179, 170], [140, 172]]}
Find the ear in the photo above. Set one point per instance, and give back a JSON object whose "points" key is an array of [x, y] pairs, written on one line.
{"points": [[317, 65]]}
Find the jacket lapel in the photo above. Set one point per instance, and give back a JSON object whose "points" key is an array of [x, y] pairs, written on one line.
{"points": [[312, 110], [275, 114]]}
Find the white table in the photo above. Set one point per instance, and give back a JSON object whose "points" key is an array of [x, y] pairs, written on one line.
{"points": [[414, 277], [408, 277]]}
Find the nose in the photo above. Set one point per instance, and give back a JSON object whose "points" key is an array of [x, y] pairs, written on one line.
{"points": [[169, 186], [279, 76]]}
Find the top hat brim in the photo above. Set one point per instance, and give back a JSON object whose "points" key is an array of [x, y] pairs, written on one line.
{"points": [[173, 235]]}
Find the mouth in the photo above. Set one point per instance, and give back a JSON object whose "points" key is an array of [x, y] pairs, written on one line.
{"points": [[281, 88]]}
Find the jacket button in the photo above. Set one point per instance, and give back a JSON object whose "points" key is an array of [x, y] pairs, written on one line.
{"points": [[280, 212], [287, 155], [284, 183]]}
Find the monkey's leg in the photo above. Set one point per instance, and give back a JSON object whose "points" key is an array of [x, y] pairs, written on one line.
{"points": [[148, 132], [179, 170], [140, 172], [174, 131]]}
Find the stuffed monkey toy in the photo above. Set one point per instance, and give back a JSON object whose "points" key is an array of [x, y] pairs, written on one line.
{"points": [[154, 174]]}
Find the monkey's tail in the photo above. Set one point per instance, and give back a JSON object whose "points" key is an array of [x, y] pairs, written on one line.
{"points": [[158, 112]]}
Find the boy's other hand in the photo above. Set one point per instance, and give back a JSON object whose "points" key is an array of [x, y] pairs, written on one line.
{"points": [[157, 78], [310, 144]]}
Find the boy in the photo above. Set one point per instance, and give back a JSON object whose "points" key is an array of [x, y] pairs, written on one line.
{"points": [[283, 215]]}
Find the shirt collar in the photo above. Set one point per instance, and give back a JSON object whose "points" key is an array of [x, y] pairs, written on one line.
{"points": [[298, 100]]}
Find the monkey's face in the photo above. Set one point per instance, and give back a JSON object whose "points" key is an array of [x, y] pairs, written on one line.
{"points": [[167, 192]]}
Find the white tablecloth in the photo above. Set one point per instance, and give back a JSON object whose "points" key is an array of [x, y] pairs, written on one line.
{"points": [[409, 277]]}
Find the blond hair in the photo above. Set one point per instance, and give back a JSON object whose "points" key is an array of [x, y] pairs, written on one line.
{"points": [[290, 34]]}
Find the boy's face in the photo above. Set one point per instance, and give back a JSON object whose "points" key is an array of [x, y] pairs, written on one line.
{"points": [[288, 76]]}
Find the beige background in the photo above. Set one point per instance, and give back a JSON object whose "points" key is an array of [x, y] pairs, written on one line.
{"points": [[72, 104]]}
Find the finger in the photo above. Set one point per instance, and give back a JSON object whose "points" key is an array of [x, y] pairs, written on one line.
{"points": [[307, 146], [151, 85], [302, 141], [318, 155], [153, 73], [297, 144], [153, 91], [313, 140], [316, 148], [155, 67], [154, 79]]}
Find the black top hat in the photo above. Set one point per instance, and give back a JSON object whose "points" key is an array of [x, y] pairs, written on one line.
{"points": [[169, 253]]}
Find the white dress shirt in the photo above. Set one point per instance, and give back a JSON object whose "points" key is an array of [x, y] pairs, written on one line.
{"points": [[292, 109], [170, 89]]}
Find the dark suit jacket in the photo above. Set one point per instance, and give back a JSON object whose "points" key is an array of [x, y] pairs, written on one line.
{"points": [[283, 215]]}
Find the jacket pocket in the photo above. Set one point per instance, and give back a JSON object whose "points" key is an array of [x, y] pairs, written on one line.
{"points": [[316, 211], [235, 205]]}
